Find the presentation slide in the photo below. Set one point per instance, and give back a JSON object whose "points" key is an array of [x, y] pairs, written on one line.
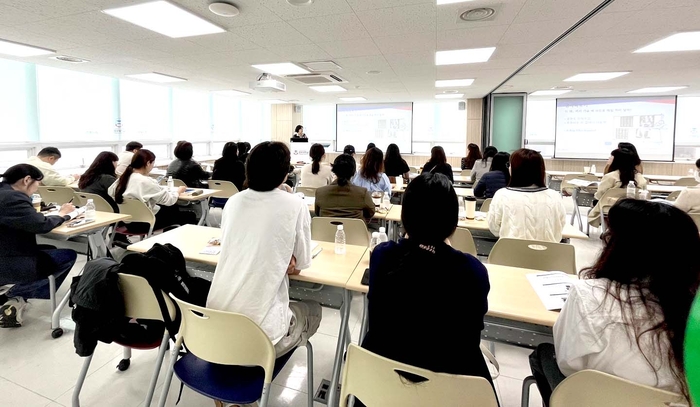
{"points": [[378, 123], [592, 128]]}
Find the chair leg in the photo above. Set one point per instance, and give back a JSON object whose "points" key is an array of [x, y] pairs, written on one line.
{"points": [[156, 372], [525, 398], [265, 395], [365, 319], [81, 380], [309, 373], [52, 293], [169, 375]]}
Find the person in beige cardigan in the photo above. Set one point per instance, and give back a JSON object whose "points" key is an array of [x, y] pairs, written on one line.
{"points": [[689, 199]]}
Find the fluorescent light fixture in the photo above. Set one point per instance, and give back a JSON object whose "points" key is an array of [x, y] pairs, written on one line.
{"points": [[595, 76], [328, 88], [21, 50], [156, 77], [165, 18], [449, 96], [440, 2], [282, 68], [453, 83], [689, 41], [353, 99], [231, 93], [657, 89], [463, 56], [553, 92]]}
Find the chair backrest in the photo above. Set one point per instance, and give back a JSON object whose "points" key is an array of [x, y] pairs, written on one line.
{"points": [[140, 301], [696, 218], [463, 241], [486, 205], [323, 229], [139, 212], [414, 169], [225, 338], [227, 188], [58, 195], [590, 388], [566, 187], [610, 197], [307, 191], [673, 196], [686, 182], [101, 204], [176, 182], [376, 381], [534, 254]]}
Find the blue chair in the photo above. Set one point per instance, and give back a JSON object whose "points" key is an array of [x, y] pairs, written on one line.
{"points": [[229, 358]]}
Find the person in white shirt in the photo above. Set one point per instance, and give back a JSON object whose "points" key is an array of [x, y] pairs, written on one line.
{"points": [[316, 174], [135, 183], [126, 157], [45, 161], [527, 209], [628, 315], [689, 198], [266, 236], [483, 166]]}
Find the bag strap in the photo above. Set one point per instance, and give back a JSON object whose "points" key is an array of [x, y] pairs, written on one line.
{"points": [[492, 359]]}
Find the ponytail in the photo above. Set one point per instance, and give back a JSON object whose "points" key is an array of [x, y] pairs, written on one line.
{"points": [[316, 153], [315, 167], [121, 186], [140, 160]]}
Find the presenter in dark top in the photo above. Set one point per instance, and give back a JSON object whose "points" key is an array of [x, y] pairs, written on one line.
{"points": [[299, 132]]}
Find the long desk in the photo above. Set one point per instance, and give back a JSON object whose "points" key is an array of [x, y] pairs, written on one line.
{"points": [[203, 200], [327, 268], [650, 177]]}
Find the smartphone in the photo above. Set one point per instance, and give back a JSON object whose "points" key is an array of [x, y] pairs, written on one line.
{"points": [[161, 178], [79, 222], [365, 277]]}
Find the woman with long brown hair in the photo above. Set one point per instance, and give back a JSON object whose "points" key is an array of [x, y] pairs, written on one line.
{"points": [[438, 163], [473, 154], [316, 174], [100, 176], [371, 175]]}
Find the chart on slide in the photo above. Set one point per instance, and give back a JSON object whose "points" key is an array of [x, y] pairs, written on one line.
{"points": [[592, 128], [378, 123]]}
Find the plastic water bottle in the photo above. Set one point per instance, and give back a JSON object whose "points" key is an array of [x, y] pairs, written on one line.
{"points": [[374, 241], [382, 235], [631, 190], [171, 183], [90, 210], [340, 240]]}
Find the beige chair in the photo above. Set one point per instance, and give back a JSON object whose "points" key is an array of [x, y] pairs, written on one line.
{"points": [[685, 182], [597, 215], [101, 204], [590, 388], [140, 213], [696, 218], [463, 241], [307, 191], [226, 338], [534, 254], [227, 188], [140, 302], [566, 187], [673, 196], [323, 229], [176, 182], [57, 195], [486, 205], [377, 382]]}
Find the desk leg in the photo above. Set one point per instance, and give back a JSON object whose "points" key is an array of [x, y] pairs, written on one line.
{"points": [[340, 350], [205, 211], [577, 211], [365, 319]]}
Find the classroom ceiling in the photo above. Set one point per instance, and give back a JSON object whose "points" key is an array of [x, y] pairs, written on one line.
{"points": [[398, 38]]}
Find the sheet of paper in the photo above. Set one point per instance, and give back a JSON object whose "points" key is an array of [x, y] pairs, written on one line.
{"points": [[552, 287], [212, 250], [582, 182]]}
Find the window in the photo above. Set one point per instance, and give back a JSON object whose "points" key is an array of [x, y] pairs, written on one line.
{"points": [[74, 106], [687, 129], [13, 101], [145, 111], [79, 157], [256, 126], [226, 115], [8, 158], [540, 126], [217, 148], [319, 123], [162, 151], [200, 149], [191, 115], [439, 124]]}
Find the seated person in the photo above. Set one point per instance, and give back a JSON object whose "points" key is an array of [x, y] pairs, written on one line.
{"points": [[135, 183], [229, 167], [689, 199], [100, 176], [497, 178], [342, 199], [126, 157], [44, 161], [185, 168], [24, 263], [438, 163], [473, 154], [371, 175], [527, 209], [394, 164], [243, 151], [623, 170], [316, 174], [632, 149], [483, 166], [266, 235], [456, 289], [627, 316]]}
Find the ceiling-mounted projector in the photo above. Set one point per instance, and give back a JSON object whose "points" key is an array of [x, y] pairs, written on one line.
{"points": [[265, 83]]}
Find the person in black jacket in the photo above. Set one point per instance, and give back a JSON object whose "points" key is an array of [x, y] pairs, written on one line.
{"points": [[100, 176], [24, 263], [438, 163], [498, 177], [228, 167], [185, 168]]}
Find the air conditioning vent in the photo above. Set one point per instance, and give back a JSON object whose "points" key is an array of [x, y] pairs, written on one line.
{"points": [[317, 79]]}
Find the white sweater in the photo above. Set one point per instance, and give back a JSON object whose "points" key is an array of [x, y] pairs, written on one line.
{"points": [[689, 200], [527, 215], [51, 177], [323, 178], [147, 190]]}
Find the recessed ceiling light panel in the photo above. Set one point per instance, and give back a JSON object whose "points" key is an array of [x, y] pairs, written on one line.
{"points": [[453, 83], [282, 68], [551, 92], [449, 96], [329, 88], [224, 9], [22, 50], [595, 76], [463, 56], [156, 77], [657, 89], [165, 18], [689, 41]]}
